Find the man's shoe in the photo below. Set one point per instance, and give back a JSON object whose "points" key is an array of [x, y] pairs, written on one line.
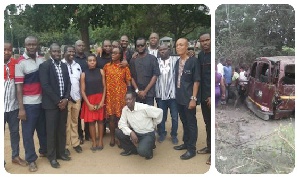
{"points": [[67, 152], [180, 147], [174, 140], [161, 138], [54, 164], [187, 155], [125, 153], [19, 161], [32, 167], [205, 150], [81, 140], [149, 157], [78, 149], [64, 157]]}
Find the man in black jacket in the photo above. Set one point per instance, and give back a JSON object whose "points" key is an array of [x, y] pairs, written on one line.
{"points": [[56, 86]]}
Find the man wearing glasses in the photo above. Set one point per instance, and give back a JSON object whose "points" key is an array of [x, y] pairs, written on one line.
{"points": [[74, 102], [144, 72]]}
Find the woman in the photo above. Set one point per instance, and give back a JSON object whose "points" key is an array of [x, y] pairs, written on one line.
{"points": [[117, 82], [93, 90], [219, 87]]}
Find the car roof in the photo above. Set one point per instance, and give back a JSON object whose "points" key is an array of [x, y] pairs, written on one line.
{"points": [[282, 59]]}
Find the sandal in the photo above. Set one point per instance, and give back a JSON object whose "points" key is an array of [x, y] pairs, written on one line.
{"points": [[93, 149], [99, 148]]}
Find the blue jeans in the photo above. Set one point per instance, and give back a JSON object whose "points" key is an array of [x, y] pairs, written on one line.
{"points": [[13, 123], [190, 128], [35, 120], [165, 105]]}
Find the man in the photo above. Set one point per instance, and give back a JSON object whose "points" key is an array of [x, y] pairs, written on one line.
{"points": [[106, 54], [81, 59], [220, 66], [74, 102], [56, 85], [115, 44], [165, 92], [127, 53], [204, 58], [144, 72], [187, 77], [29, 94], [153, 45], [136, 127], [11, 107], [227, 77]]}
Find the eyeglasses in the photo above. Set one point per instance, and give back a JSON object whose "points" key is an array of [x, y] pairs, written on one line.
{"points": [[140, 45]]}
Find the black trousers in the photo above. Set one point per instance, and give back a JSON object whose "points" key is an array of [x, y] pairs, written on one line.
{"points": [[86, 127], [56, 121], [206, 112], [190, 128]]}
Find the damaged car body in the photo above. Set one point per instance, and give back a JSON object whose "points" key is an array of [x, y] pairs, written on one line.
{"points": [[271, 87]]}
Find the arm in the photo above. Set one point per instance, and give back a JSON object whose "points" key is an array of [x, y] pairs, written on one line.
{"points": [[192, 103], [222, 85], [22, 113], [148, 87], [123, 123], [83, 94], [155, 113]]}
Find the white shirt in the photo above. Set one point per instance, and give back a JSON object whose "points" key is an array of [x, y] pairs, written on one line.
{"points": [[74, 78], [152, 51], [242, 78], [142, 119], [220, 68]]}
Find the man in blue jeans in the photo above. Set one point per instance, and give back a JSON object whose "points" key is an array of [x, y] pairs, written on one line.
{"points": [[11, 108], [165, 92], [29, 94]]}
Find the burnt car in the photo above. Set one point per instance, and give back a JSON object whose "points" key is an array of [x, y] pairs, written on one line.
{"points": [[271, 87]]}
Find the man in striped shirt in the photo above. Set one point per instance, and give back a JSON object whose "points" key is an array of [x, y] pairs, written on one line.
{"points": [[29, 94], [11, 108]]}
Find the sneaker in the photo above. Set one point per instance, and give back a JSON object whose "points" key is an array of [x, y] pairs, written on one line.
{"points": [[161, 138], [32, 167], [174, 140]]}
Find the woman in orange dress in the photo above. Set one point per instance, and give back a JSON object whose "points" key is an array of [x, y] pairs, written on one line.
{"points": [[93, 90], [117, 82]]}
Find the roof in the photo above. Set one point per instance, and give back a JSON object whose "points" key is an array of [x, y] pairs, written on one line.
{"points": [[166, 38], [282, 59]]}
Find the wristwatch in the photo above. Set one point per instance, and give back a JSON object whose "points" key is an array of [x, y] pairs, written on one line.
{"points": [[137, 90], [193, 98]]}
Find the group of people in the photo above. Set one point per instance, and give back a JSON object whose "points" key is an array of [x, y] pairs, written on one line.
{"points": [[115, 86]]}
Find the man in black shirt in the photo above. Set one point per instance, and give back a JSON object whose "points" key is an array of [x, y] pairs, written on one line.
{"points": [[204, 58], [81, 59]]}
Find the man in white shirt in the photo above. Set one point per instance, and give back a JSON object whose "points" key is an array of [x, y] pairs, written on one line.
{"points": [[74, 102], [220, 66], [136, 127]]}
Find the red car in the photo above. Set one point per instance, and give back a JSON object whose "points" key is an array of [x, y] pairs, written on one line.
{"points": [[271, 87]]}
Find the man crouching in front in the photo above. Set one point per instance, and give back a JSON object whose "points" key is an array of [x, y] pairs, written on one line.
{"points": [[136, 127]]}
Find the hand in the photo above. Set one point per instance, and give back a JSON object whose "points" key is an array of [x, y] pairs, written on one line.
{"points": [[223, 96], [62, 104], [192, 104], [142, 94], [134, 138], [100, 105], [123, 64], [134, 55], [91, 107], [208, 102], [22, 114]]}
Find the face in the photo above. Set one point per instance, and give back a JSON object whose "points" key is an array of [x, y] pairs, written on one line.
{"points": [[69, 55], [107, 47], [31, 46], [79, 47], [7, 51], [124, 41], [181, 46], [205, 42], [91, 62], [55, 52], [115, 44], [130, 100], [164, 52], [153, 39], [115, 54], [141, 46]]}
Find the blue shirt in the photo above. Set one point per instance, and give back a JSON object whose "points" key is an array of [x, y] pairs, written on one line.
{"points": [[227, 74]]}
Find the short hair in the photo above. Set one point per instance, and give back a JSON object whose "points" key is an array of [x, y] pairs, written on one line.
{"points": [[203, 33], [52, 45], [132, 93], [91, 55], [104, 41], [68, 46]]}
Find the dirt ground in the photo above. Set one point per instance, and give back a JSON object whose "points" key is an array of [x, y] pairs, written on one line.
{"points": [[248, 144], [166, 160]]}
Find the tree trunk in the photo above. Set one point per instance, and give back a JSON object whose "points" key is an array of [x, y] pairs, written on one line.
{"points": [[84, 32]]}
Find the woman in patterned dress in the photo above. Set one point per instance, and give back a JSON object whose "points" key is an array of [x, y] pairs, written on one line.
{"points": [[117, 82]]}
